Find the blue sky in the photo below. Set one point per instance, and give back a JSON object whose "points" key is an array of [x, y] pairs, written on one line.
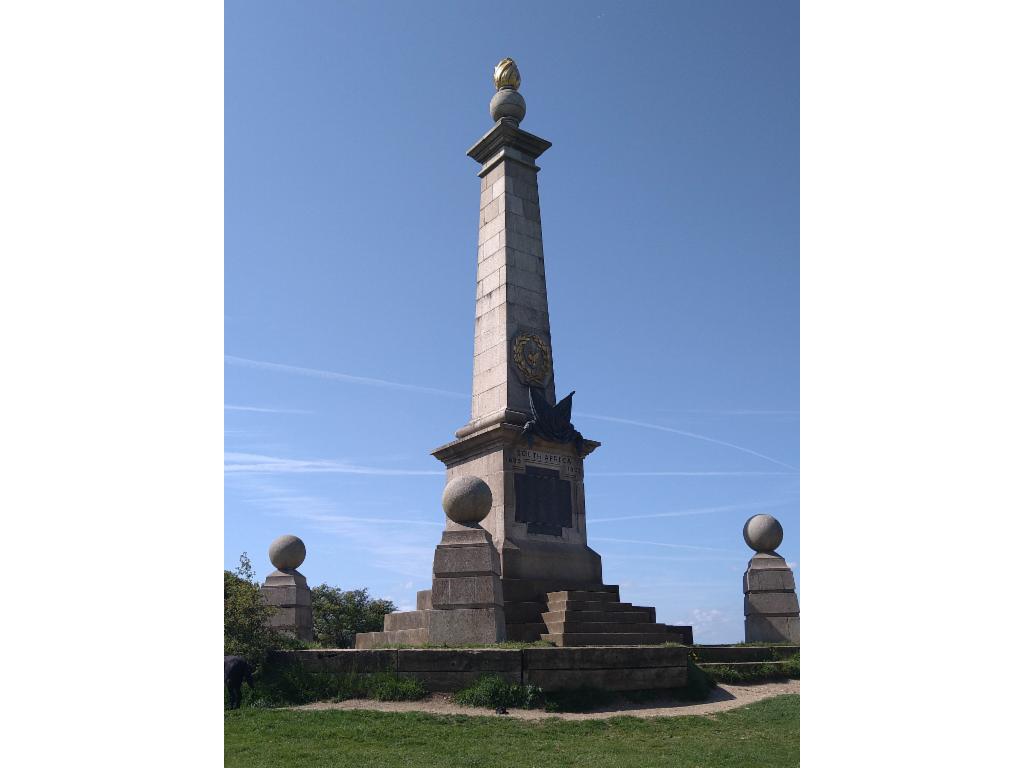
{"points": [[670, 204]]}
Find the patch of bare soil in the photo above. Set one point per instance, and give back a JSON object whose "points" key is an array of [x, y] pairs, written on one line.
{"points": [[722, 698]]}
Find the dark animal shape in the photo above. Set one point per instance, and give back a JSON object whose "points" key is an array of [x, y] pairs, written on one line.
{"points": [[236, 671], [501, 711], [552, 422]]}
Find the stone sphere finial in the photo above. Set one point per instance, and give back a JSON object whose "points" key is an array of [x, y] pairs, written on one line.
{"points": [[287, 552], [507, 103], [763, 533], [466, 500]]}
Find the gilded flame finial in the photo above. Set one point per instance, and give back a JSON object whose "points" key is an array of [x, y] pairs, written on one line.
{"points": [[506, 75]]}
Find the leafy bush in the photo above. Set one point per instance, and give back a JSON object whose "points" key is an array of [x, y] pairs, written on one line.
{"points": [[246, 614], [492, 691], [339, 615]]}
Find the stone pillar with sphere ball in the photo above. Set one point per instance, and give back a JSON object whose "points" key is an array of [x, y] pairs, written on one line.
{"points": [[770, 608], [286, 589], [467, 605]]}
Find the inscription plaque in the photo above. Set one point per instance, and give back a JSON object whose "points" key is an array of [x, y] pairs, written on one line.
{"points": [[543, 501]]}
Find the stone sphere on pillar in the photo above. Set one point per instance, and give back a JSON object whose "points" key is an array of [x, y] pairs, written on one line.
{"points": [[508, 103], [763, 533], [466, 500], [287, 552]]}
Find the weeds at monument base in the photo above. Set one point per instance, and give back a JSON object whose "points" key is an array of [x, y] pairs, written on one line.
{"points": [[756, 672], [288, 685]]}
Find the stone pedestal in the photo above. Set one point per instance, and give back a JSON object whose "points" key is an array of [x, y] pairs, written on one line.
{"points": [[287, 591], [770, 607], [467, 605]]}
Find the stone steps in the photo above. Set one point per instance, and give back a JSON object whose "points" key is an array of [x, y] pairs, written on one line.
{"points": [[526, 632], [572, 626], [577, 639], [590, 605], [598, 617], [619, 617]]}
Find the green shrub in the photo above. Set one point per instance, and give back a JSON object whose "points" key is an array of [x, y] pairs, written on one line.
{"points": [[246, 614], [492, 691], [339, 615], [698, 683]]}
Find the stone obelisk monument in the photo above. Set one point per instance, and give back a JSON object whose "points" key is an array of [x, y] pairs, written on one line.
{"points": [[538, 517], [519, 442]]}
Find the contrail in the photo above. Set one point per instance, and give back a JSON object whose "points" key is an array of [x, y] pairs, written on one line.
{"points": [[691, 512], [334, 376], [351, 379], [255, 409], [694, 435], [692, 474]]}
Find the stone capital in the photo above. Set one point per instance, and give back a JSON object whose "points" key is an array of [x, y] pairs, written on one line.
{"points": [[521, 146]]}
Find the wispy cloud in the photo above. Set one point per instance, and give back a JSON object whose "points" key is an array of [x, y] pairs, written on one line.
{"points": [[727, 473], [736, 412], [254, 409], [335, 376], [683, 432], [691, 512], [401, 546], [254, 463]]}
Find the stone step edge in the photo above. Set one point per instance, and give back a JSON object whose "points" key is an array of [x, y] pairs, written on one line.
{"points": [[621, 617]]}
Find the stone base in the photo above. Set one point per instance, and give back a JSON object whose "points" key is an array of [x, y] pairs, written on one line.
{"points": [[772, 629], [465, 604], [769, 601], [553, 669], [288, 592]]}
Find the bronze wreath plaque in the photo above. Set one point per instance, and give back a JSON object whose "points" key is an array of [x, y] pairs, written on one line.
{"points": [[532, 356]]}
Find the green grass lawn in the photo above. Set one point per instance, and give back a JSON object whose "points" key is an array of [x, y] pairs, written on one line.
{"points": [[765, 734]]}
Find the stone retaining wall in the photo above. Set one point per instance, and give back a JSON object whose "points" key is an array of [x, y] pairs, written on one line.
{"points": [[619, 668]]}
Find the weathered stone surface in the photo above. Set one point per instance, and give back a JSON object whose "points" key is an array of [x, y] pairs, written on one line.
{"points": [[603, 658], [769, 603], [767, 560], [466, 592], [287, 552], [466, 500], [479, 660], [451, 669], [286, 596], [627, 679], [763, 533], [341, 661], [288, 592], [423, 600], [765, 580], [461, 626], [773, 629], [405, 620], [451, 561]]}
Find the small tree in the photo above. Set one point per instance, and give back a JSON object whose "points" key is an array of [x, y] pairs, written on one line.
{"points": [[338, 615], [246, 632]]}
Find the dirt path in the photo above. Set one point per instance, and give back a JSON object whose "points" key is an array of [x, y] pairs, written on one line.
{"points": [[722, 698]]}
